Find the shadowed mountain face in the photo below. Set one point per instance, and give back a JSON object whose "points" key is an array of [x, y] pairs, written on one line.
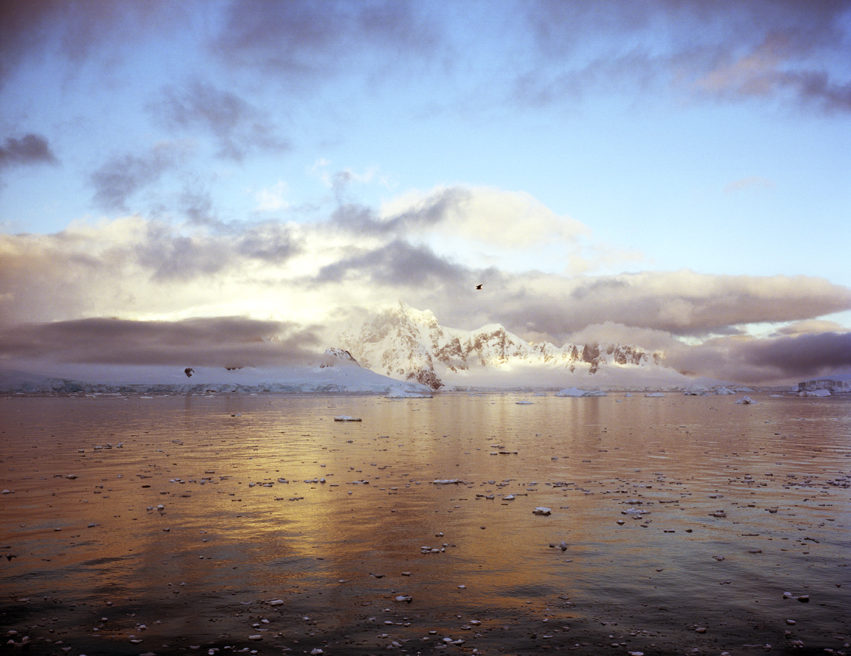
{"points": [[406, 343]]}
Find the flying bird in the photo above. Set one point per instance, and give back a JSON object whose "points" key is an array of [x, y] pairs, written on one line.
{"points": [[479, 286], [189, 371]]}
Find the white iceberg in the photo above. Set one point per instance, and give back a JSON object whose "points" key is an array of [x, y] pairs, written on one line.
{"points": [[576, 392], [815, 392]]}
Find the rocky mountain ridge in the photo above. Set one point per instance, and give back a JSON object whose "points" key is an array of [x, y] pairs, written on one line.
{"points": [[410, 344]]}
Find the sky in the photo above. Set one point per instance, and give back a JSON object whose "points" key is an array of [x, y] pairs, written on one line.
{"points": [[245, 179]]}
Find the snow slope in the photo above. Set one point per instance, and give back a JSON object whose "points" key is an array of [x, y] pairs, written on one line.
{"points": [[337, 372]]}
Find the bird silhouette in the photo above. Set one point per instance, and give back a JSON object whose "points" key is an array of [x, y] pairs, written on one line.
{"points": [[479, 286]]}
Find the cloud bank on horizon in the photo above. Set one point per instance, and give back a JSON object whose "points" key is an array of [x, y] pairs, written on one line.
{"points": [[235, 182]]}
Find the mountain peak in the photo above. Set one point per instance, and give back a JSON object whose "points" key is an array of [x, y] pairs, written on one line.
{"points": [[334, 356]]}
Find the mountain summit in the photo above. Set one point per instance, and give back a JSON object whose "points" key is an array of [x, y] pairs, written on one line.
{"points": [[410, 344]]}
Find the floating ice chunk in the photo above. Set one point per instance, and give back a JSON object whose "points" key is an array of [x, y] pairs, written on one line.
{"points": [[746, 400], [815, 392], [542, 510], [447, 481], [576, 392], [346, 418], [406, 393], [654, 395], [404, 598]]}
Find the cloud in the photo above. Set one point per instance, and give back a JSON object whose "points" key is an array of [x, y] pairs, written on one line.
{"points": [[774, 360], [130, 267], [410, 215], [310, 41], [772, 68], [802, 354], [610, 332], [397, 264], [272, 199], [788, 51], [237, 126], [306, 282], [496, 217], [682, 303], [750, 182], [172, 256], [219, 341], [79, 28], [117, 179], [478, 227], [29, 149], [270, 242], [809, 326]]}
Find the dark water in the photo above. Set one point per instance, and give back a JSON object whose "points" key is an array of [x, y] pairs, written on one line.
{"points": [[689, 525]]}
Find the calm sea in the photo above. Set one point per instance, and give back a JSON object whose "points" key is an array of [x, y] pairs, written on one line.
{"points": [[462, 524]]}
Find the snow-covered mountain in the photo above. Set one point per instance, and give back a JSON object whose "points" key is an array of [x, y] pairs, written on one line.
{"points": [[410, 344]]}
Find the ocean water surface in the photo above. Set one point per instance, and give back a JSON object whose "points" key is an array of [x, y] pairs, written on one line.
{"points": [[462, 524]]}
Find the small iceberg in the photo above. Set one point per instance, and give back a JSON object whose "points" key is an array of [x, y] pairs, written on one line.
{"points": [[815, 392], [576, 392], [408, 392], [346, 418], [746, 400]]}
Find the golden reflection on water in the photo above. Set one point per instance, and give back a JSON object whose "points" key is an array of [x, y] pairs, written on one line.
{"points": [[193, 508]]}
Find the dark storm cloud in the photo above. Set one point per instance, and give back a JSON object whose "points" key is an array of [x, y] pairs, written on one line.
{"points": [[432, 210], [787, 50], [800, 355], [237, 126], [397, 263], [120, 177], [220, 341], [303, 38], [782, 359], [29, 149]]}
